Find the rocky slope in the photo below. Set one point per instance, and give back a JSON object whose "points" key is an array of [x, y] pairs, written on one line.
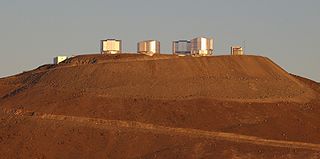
{"points": [[135, 106]]}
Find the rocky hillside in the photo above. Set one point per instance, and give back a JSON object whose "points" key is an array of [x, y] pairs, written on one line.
{"points": [[136, 106]]}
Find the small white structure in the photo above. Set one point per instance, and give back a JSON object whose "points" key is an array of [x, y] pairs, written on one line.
{"points": [[59, 59], [111, 46], [202, 46], [149, 47], [236, 50], [181, 47]]}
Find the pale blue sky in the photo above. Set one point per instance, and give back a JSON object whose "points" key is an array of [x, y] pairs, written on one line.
{"points": [[32, 32]]}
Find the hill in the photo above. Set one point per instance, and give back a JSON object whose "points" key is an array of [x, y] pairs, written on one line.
{"points": [[136, 106]]}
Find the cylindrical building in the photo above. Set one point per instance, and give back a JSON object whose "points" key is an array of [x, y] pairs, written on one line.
{"points": [[111, 46], [181, 47], [149, 47], [236, 50], [202, 46]]}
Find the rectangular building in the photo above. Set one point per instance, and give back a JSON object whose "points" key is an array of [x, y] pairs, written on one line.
{"points": [[181, 47], [202, 46], [59, 59], [111, 46], [236, 50], [148, 47]]}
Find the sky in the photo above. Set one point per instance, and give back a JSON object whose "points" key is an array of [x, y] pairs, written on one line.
{"points": [[32, 32]]}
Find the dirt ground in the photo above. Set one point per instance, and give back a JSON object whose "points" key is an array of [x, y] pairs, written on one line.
{"points": [[136, 106]]}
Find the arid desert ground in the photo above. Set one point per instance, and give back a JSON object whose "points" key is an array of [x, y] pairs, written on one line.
{"points": [[164, 106]]}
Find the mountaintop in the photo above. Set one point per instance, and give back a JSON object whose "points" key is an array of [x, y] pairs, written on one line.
{"points": [[164, 106]]}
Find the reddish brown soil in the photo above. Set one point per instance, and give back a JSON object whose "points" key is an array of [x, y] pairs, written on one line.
{"points": [[135, 106]]}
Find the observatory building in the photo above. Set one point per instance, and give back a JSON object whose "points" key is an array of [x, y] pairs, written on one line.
{"points": [[236, 50], [59, 59], [149, 47], [111, 46], [181, 47], [201, 46]]}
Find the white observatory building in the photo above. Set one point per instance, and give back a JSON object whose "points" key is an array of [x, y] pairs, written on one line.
{"points": [[111, 46], [148, 47], [58, 59], [201, 46], [237, 50]]}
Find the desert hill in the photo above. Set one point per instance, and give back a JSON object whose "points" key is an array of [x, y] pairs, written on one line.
{"points": [[136, 106], [238, 78]]}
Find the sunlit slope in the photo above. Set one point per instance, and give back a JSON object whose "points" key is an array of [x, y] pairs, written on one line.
{"points": [[239, 78], [135, 106]]}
